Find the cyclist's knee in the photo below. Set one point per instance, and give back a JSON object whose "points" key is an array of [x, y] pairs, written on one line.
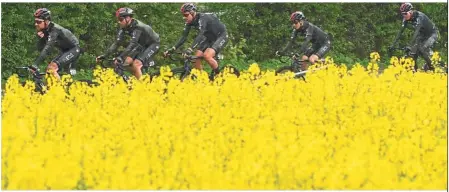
{"points": [[304, 57], [313, 58], [137, 63], [52, 67], [199, 53], [209, 54], [129, 60]]}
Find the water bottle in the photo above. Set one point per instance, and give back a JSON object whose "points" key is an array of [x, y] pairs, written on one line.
{"points": [[72, 71]]}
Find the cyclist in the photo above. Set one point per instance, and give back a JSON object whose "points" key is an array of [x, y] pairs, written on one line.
{"points": [[320, 40], [144, 43], [424, 37], [211, 39], [52, 35]]}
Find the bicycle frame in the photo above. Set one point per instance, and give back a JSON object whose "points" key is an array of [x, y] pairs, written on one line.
{"points": [[187, 65], [118, 69], [37, 76], [188, 60]]}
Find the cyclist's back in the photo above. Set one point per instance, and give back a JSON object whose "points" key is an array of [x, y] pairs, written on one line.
{"points": [[147, 35], [59, 36], [214, 27]]}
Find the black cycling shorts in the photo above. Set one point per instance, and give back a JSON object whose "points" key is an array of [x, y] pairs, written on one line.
{"points": [[216, 44]]}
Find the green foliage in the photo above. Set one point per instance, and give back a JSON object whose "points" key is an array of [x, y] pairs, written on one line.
{"points": [[256, 30]]}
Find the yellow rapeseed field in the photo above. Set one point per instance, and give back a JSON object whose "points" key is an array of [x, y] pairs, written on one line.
{"points": [[340, 129]]}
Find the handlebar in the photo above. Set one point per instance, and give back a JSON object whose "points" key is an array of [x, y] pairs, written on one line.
{"points": [[290, 56], [31, 70], [109, 60], [406, 49]]}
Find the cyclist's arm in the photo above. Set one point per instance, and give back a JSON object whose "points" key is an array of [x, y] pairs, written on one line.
{"points": [[47, 48], [114, 46], [292, 39], [133, 43], [404, 25], [418, 27], [200, 37], [305, 44], [185, 34]]}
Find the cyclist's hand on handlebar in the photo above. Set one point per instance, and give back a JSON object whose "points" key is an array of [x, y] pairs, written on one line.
{"points": [[169, 51], [34, 68], [99, 58], [407, 48], [295, 56], [118, 61], [187, 52]]}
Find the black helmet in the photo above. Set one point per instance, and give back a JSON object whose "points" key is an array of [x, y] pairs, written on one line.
{"points": [[187, 7], [42, 13], [125, 11], [406, 7], [298, 15]]}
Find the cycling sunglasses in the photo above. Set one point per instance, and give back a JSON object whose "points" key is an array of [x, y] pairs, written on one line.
{"points": [[38, 21]]}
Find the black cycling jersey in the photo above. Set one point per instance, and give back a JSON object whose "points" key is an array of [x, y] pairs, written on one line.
{"points": [[141, 35], [209, 26], [55, 36], [312, 34]]}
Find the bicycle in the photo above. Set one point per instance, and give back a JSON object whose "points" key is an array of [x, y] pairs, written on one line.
{"points": [[295, 65], [38, 77], [118, 69], [184, 71]]}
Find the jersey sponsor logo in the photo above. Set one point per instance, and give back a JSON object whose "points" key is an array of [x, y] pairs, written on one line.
{"points": [[150, 53], [68, 57], [222, 42]]}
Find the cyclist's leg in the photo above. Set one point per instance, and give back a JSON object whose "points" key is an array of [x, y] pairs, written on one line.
{"points": [[322, 51], [216, 47], [64, 59], [144, 57], [129, 59], [306, 57], [426, 49], [200, 52], [197, 64], [52, 68]]}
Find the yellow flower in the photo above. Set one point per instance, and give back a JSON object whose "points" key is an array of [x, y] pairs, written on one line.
{"points": [[340, 129], [375, 57]]}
